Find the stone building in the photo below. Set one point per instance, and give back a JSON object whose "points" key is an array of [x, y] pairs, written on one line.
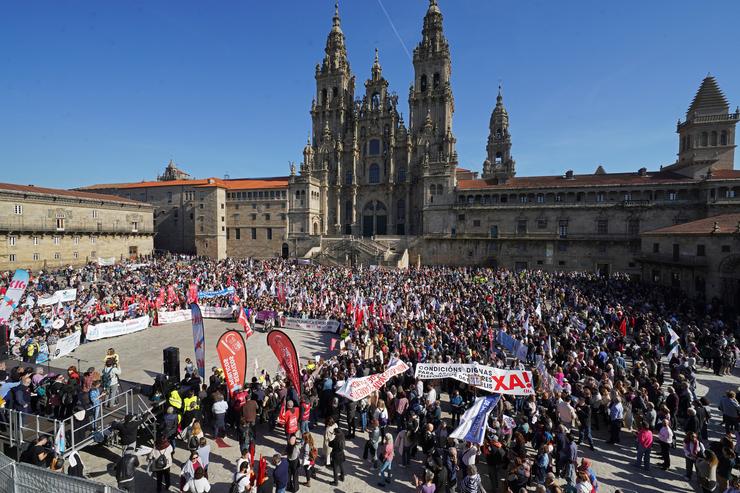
{"points": [[702, 257], [397, 189], [42, 228], [212, 216]]}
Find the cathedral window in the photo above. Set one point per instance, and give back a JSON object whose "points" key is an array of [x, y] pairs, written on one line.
{"points": [[499, 134], [348, 177], [540, 198], [704, 139], [374, 147], [435, 80], [423, 83], [374, 175], [499, 158], [723, 138], [714, 138], [401, 174], [323, 97]]}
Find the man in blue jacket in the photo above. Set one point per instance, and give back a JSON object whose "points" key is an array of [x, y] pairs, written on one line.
{"points": [[280, 473]]}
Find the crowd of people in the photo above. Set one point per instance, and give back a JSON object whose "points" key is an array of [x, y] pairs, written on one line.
{"points": [[601, 350]]}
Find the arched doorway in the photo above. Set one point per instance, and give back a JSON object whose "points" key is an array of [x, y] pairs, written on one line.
{"points": [[286, 250], [729, 272], [316, 228], [374, 219]]}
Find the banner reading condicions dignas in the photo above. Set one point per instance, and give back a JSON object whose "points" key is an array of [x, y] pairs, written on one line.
{"points": [[473, 423], [286, 354], [233, 355], [13, 295], [199, 339], [512, 382]]}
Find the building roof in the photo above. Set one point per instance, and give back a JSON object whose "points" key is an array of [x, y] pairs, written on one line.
{"points": [[231, 184], [727, 224], [76, 194], [577, 181], [709, 99]]}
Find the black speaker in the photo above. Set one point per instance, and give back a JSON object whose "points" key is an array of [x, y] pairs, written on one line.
{"points": [[171, 361]]}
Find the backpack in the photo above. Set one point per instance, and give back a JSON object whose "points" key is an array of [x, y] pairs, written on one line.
{"points": [[193, 443], [105, 378], [160, 463], [234, 488]]}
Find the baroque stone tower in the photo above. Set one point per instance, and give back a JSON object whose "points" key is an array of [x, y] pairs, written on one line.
{"points": [[707, 137], [499, 163]]}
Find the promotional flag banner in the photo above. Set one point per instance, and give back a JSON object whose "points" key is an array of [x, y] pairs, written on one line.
{"points": [[12, 297], [193, 293], [233, 355], [512, 382], [199, 339], [472, 426], [286, 354]]}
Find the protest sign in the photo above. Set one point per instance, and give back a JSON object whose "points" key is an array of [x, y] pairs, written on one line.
{"points": [[116, 328], [313, 325], [512, 382], [356, 389], [66, 345]]}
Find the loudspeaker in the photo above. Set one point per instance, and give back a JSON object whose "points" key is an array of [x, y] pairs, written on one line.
{"points": [[171, 362]]}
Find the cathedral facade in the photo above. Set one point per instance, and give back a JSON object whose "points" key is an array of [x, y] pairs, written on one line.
{"points": [[364, 170]]}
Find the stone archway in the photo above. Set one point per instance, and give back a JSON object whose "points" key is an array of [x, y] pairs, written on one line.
{"points": [[374, 219]]}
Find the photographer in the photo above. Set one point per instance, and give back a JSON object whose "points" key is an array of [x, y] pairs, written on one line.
{"points": [[110, 380], [128, 431]]}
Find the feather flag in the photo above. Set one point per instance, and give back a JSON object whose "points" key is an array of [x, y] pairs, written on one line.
{"points": [[244, 322], [673, 345], [473, 423]]}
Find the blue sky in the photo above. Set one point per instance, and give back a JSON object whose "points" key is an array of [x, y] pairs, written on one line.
{"points": [[95, 92]]}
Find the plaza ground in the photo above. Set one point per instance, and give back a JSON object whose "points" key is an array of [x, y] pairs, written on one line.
{"points": [[141, 360]]}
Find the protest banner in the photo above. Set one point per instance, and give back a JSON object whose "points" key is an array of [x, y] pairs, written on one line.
{"points": [[213, 294], [512, 382], [106, 261], [313, 325], [264, 315], [171, 317], [233, 356], [12, 297], [116, 328], [356, 389], [66, 345]]}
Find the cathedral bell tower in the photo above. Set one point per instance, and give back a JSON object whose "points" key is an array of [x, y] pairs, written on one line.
{"points": [[499, 164]]}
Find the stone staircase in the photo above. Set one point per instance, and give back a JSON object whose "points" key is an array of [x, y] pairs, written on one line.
{"points": [[353, 251]]}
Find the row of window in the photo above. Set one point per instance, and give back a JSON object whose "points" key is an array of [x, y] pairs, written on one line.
{"points": [[602, 226], [272, 194], [18, 211], [267, 217], [541, 198], [701, 250], [57, 256], [705, 139], [252, 233], [56, 240]]}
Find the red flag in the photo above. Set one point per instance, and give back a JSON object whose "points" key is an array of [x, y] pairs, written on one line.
{"points": [[333, 344], [160, 299], [171, 295], [286, 354], [192, 294], [233, 355], [244, 322], [262, 475], [623, 327]]}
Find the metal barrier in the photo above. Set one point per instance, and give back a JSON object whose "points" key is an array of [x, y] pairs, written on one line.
{"points": [[17, 427], [17, 477]]}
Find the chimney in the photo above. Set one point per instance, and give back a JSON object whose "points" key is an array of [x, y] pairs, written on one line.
{"points": [[642, 171]]}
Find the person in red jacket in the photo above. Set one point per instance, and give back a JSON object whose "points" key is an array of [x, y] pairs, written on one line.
{"points": [[291, 419]]}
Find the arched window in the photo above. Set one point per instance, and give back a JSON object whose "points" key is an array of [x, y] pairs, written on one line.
{"points": [[401, 174], [499, 133], [435, 80], [423, 83], [348, 177], [374, 147], [374, 175], [723, 138], [704, 139], [440, 189], [334, 92], [499, 158], [323, 96], [375, 101], [713, 140]]}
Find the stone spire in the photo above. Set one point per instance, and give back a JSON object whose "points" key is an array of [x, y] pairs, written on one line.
{"points": [[433, 38], [499, 163], [377, 71], [336, 52]]}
